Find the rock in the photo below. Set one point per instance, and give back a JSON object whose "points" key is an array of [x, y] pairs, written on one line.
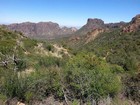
{"points": [[134, 25], [20, 103], [91, 25], [93, 34], [115, 25], [136, 19], [95, 23], [13, 101], [48, 101]]}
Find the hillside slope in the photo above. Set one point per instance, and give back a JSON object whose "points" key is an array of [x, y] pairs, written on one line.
{"points": [[101, 66]]}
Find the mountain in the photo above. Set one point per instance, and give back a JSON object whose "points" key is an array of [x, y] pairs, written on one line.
{"points": [[48, 30], [102, 63], [116, 43], [118, 46], [134, 25], [96, 23], [115, 25], [91, 25]]}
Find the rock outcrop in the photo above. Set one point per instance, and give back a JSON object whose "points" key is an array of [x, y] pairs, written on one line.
{"points": [[115, 25], [134, 25], [93, 34], [91, 25]]}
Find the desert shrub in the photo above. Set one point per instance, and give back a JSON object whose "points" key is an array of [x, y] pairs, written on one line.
{"points": [[12, 85], [43, 83], [7, 46], [21, 65], [49, 47], [132, 87], [28, 96], [3, 98], [29, 44], [7, 35], [90, 77], [50, 61], [117, 69], [35, 86]]}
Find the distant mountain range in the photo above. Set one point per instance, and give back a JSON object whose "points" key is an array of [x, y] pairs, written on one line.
{"points": [[41, 30], [50, 30], [93, 24]]}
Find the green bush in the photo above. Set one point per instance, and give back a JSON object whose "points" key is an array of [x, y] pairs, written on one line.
{"points": [[49, 47], [29, 44], [87, 76], [7, 46], [132, 87], [21, 65], [49, 61], [13, 85], [43, 83]]}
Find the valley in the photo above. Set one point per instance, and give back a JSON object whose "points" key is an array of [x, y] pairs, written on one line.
{"points": [[43, 64]]}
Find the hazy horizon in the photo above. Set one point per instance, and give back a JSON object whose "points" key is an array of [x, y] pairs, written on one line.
{"points": [[67, 12]]}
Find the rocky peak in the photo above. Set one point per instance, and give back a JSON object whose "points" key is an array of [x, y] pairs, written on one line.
{"points": [[95, 21], [94, 24], [115, 25], [48, 24], [71, 29], [91, 25], [136, 19], [134, 25]]}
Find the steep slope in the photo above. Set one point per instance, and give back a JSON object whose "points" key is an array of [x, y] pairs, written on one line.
{"points": [[24, 64], [119, 46], [123, 49], [134, 25], [14, 46], [41, 30], [93, 34]]}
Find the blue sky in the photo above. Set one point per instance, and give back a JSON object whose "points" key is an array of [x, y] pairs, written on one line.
{"points": [[67, 12]]}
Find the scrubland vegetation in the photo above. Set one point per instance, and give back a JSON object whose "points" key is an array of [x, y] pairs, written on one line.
{"points": [[101, 70]]}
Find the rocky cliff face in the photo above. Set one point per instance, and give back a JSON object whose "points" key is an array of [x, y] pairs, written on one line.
{"points": [[134, 25], [47, 30], [115, 25], [93, 34], [92, 24], [136, 20]]}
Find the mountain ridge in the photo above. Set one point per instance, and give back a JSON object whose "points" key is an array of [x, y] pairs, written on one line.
{"points": [[95, 23], [47, 30], [51, 30]]}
